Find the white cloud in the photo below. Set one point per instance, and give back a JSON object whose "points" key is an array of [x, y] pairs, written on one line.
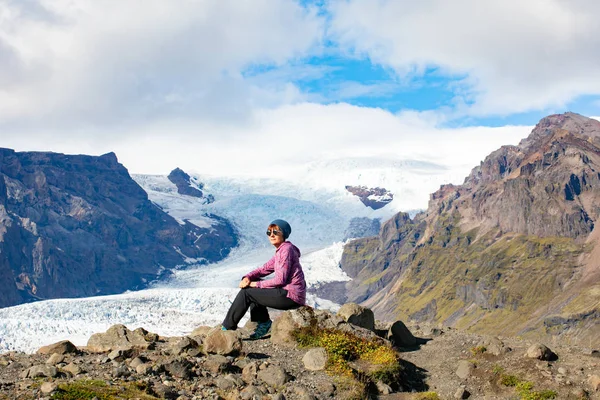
{"points": [[510, 56], [90, 62], [280, 139]]}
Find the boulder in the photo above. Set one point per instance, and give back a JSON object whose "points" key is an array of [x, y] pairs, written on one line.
{"points": [[117, 337], [541, 352], [249, 372], [251, 392], [48, 387], [400, 335], [289, 321], [181, 369], [223, 343], [216, 364], [465, 369], [357, 315], [182, 345], [200, 332], [274, 376], [495, 346], [63, 347], [73, 369], [315, 359], [40, 371], [55, 359]]}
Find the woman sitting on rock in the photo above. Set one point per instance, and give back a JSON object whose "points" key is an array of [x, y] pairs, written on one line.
{"points": [[286, 290]]}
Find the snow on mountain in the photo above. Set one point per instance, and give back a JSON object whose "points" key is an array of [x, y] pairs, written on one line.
{"points": [[313, 200]]}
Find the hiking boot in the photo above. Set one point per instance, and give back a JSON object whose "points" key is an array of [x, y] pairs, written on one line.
{"points": [[261, 330]]}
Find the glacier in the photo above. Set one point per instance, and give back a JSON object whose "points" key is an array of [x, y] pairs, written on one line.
{"points": [[313, 200]]}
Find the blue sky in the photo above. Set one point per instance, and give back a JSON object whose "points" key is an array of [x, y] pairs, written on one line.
{"points": [[320, 76]]}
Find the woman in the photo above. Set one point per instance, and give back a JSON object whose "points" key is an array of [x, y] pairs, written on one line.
{"points": [[286, 290]]}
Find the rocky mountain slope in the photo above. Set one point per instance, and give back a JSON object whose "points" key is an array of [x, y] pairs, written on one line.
{"points": [[309, 355], [514, 250], [78, 226]]}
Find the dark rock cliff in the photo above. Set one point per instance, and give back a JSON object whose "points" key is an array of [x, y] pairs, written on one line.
{"points": [[375, 198], [76, 225], [186, 186], [513, 250]]}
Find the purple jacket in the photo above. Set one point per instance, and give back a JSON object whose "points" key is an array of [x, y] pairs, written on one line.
{"points": [[288, 273]]}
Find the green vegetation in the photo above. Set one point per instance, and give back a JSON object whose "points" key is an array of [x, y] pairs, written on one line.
{"points": [[497, 369], [378, 362], [525, 389], [478, 350], [507, 275], [88, 389]]}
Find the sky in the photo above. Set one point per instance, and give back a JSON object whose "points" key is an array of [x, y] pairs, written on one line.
{"points": [[227, 87]]}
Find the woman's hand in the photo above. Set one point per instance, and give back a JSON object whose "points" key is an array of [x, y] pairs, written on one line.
{"points": [[253, 284], [245, 283]]}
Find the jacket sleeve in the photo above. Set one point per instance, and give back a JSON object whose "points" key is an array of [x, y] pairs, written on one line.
{"points": [[265, 270], [282, 266]]}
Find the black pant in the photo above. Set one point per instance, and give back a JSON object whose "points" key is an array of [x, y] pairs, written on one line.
{"points": [[257, 300]]}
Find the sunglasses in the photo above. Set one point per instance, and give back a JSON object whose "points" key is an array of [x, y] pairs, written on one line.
{"points": [[274, 232]]}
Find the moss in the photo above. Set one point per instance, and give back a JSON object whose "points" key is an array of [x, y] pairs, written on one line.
{"points": [[89, 389], [509, 380], [343, 348]]}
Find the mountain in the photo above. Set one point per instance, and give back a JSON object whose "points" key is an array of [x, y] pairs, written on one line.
{"points": [[513, 250], [186, 185], [75, 225]]}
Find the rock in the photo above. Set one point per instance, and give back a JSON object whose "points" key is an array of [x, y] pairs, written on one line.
{"points": [[562, 371], [541, 352], [222, 342], [465, 368], [304, 393], [495, 346], [48, 387], [462, 393], [289, 321], [382, 388], [63, 347], [251, 392], [164, 391], [228, 382], [357, 315], [325, 388], [181, 369], [277, 396], [200, 332], [594, 382], [143, 369], [217, 363], [249, 372], [182, 345], [400, 336], [135, 362], [73, 369], [315, 359], [274, 376], [121, 372], [117, 337], [40, 371], [118, 355], [55, 359]]}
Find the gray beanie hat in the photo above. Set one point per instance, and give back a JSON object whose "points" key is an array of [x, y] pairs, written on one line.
{"points": [[284, 226]]}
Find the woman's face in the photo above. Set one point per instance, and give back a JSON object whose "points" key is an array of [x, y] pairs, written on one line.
{"points": [[276, 235]]}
